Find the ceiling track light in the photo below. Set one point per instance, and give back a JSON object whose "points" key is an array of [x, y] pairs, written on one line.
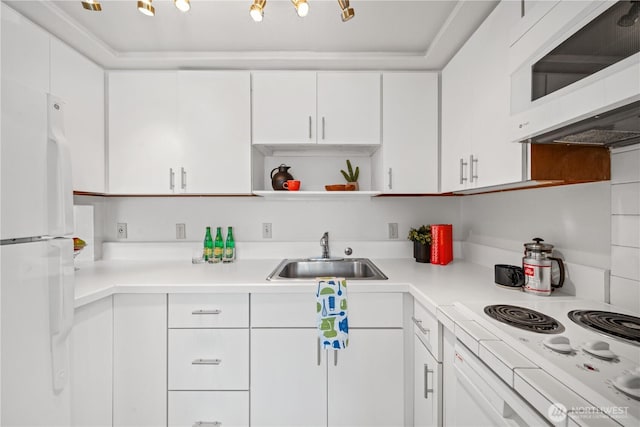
{"points": [[93, 5], [145, 7], [182, 5], [302, 7], [631, 17], [347, 12], [257, 10]]}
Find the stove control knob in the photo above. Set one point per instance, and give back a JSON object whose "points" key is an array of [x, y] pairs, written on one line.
{"points": [[599, 349], [558, 343], [629, 384]]}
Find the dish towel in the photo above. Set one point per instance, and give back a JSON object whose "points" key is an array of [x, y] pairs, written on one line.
{"points": [[331, 306]]}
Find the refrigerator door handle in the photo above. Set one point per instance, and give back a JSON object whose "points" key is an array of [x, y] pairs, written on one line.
{"points": [[61, 307], [59, 185]]}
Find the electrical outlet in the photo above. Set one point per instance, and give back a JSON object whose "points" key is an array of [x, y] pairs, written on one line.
{"points": [[121, 230], [181, 231], [266, 230], [393, 230]]}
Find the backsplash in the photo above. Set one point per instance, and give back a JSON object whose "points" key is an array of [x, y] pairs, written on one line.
{"points": [[625, 227]]}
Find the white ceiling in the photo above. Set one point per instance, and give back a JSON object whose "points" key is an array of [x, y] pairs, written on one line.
{"points": [[384, 34]]}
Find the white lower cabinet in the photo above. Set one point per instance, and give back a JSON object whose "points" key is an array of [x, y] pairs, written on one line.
{"points": [[140, 360], [427, 388], [208, 408], [295, 383], [91, 364]]}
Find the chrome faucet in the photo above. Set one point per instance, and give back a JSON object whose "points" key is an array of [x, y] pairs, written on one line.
{"points": [[324, 242]]}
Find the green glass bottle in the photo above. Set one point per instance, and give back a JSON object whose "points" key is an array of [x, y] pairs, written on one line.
{"points": [[218, 246], [207, 252], [229, 247]]}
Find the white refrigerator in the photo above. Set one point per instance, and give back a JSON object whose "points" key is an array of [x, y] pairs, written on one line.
{"points": [[36, 252]]}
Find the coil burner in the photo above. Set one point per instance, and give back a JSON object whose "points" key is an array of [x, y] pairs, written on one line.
{"points": [[615, 325], [524, 318]]}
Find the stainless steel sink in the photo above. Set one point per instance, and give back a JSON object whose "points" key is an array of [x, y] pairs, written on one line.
{"points": [[311, 268]]}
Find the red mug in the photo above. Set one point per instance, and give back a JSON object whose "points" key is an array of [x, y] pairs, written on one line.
{"points": [[292, 185]]}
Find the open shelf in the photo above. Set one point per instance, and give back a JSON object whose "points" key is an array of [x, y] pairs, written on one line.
{"points": [[317, 195]]}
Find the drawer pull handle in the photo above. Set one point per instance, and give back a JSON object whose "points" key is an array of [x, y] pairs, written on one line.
{"points": [[418, 323], [207, 424], [207, 362], [206, 311]]}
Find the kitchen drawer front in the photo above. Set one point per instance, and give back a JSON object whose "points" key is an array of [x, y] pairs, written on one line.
{"points": [[208, 310], [427, 329], [188, 408], [208, 359], [365, 310]]}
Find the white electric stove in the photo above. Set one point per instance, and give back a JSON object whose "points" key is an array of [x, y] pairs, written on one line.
{"points": [[592, 374]]}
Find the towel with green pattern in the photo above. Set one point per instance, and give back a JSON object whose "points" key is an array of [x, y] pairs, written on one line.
{"points": [[331, 306]]}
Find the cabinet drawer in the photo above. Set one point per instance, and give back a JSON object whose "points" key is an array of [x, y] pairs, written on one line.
{"points": [[208, 310], [365, 310], [228, 408], [427, 329], [208, 359]]}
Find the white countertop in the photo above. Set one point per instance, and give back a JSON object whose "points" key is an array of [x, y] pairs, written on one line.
{"points": [[432, 285]]}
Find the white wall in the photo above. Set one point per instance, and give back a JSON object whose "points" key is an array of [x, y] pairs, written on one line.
{"points": [[152, 219], [625, 228], [573, 218]]}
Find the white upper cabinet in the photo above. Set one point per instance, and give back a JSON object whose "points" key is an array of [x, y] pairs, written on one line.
{"points": [[476, 147], [174, 132], [410, 133], [301, 107], [215, 131], [80, 83], [143, 140], [283, 107], [349, 108]]}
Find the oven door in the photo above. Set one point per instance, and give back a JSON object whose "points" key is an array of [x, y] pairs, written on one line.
{"points": [[484, 399]]}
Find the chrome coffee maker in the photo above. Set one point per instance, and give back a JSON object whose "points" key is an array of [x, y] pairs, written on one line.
{"points": [[540, 275]]}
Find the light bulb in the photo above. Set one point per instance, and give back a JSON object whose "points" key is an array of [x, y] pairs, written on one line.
{"points": [[302, 7], [145, 7], [182, 5], [257, 10]]}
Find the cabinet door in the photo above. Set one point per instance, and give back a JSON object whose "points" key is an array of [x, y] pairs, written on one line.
{"points": [[139, 360], [143, 144], [497, 160], [410, 132], [426, 390], [349, 108], [365, 381], [215, 135], [92, 364], [283, 107], [80, 83], [288, 378], [457, 118]]}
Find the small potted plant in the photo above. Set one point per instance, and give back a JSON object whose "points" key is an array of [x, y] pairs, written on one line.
{"points": [[421, 238], [351, 176]]}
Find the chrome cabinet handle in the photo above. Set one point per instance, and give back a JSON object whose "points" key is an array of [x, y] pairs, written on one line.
{"points": [[473, 172], [418, 323], [216, 311], [390, 178], [310, 136], [335, 357], [183, 178], [172, 179], [207, 362], [207, 424], [319, 352], [427, 390], [462, 166], [323, 127]]}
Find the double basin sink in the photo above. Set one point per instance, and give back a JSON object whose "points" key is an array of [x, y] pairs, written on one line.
{"points": [[311, 268]]}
